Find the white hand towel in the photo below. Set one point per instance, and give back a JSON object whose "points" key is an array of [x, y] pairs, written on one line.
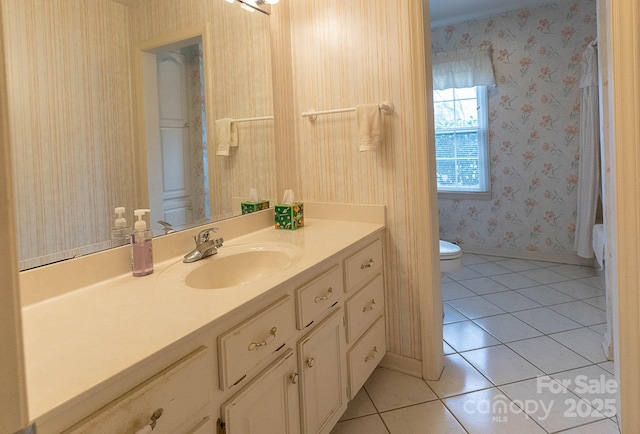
{"points": [[226, 136], [369, 126]]}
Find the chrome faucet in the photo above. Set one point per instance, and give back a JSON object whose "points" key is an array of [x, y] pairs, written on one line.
{"points": [[205, 246]]}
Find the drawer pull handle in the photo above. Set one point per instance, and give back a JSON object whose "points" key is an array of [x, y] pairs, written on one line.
{"points": [[151, 426], [294, 378], [372, 356], [324, 297], [367, 265], [267, 341], [311, 362], [371, 306]]}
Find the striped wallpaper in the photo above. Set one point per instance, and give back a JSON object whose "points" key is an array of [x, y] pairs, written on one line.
{"points": [[345, 53]]}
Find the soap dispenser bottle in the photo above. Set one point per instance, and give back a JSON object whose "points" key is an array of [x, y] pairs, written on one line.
{"points": [[141, 247], [120, 233]]}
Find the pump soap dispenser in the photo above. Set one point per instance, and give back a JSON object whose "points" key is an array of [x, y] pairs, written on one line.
{"points": [[141, 247], [120, 233]]}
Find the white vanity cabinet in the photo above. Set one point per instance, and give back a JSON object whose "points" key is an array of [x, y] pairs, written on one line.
{"points": [[364, 314], [175, 401], [286, 360]]}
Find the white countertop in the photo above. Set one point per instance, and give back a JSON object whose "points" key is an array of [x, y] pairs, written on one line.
{"points": [[81, 339]]}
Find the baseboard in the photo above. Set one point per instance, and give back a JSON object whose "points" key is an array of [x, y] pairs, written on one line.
{"points": [[561, 258], [607, 346], [403, 364]]}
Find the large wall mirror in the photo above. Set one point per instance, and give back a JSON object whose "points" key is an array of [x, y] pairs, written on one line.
{"points": [[85, 138]]}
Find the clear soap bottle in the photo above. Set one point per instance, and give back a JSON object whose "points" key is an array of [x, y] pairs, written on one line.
{"points": [[141, 247], [121, 232]]}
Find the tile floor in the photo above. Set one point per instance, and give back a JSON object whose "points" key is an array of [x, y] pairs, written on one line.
{"points": [[523, 354]]}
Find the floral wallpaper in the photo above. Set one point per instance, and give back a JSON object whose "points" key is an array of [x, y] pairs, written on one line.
{"points": [[534, 118]]}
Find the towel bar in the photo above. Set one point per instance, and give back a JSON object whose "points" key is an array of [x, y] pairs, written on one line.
{"points": [[386, 107]]}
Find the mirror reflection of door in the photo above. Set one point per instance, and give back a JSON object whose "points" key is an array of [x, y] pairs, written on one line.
{"points": [[176, 146]]}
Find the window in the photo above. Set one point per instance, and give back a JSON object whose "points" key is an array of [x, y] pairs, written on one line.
{"points": [[462, 164]]}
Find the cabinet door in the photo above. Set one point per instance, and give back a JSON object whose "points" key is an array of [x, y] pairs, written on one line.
{"points": [[269, 404], [322, 366]]}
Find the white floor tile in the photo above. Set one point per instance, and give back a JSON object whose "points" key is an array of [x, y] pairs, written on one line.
{"points": [[608, 366], [475, 307], [446, 349], [546, 320], [471, 258], [574, 271], [507, 328], [501, 365], [593, 384], [606, 426], [464, 336], [583, 341], [511, 301], [491, 411], [595, 281], [577, 289], [464, 273], [452, 315], [581, 313], [359, 406], [431, 417], [364, 425], [458, 377], [599, 302], [544, 276], [517, 264], [390, 389], [544, 295], [489, 269], [515, 281], [453, 290], [548, 355], [483, 285], [551, 408]]}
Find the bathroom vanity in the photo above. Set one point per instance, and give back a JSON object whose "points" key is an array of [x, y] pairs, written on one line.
{"points": [[281, 352]]}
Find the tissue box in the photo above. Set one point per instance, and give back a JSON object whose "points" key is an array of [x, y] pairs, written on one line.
{"points": [[289, 216], [249, 207]]}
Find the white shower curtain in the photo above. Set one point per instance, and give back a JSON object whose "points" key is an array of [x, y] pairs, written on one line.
{"points": [[589, 168]]}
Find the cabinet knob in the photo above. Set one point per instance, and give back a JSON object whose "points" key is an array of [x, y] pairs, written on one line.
{"points": [[371, 305], [294, 378], [324, 297], [373, 354], [367, 264], [311, 362]]}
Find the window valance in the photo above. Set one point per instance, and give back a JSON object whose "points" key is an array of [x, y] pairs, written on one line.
{"points": [[466, 67]]}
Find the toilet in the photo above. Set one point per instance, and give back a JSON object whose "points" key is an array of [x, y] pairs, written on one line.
{"points": [[450, 258]]}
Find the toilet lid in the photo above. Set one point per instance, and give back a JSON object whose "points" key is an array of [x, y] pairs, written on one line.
{"points": [[449, 250]]}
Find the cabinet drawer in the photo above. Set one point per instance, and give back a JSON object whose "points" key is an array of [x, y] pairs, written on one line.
{"points": [[253, 340], [316, 297], [365, 356], [363, 265], [180, 391], [364, 307]]}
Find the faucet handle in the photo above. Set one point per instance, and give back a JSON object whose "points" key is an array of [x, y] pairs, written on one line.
{"points": [[203, 236]]}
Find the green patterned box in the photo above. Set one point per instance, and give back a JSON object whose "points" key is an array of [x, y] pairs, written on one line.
{"points": [[249, 207], [290, 216]]}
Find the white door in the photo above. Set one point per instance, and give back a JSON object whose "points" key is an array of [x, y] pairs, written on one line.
{"points": [[174, 139]]}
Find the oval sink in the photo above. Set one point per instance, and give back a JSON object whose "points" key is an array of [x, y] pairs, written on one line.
{"points": [[238, 265]]}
